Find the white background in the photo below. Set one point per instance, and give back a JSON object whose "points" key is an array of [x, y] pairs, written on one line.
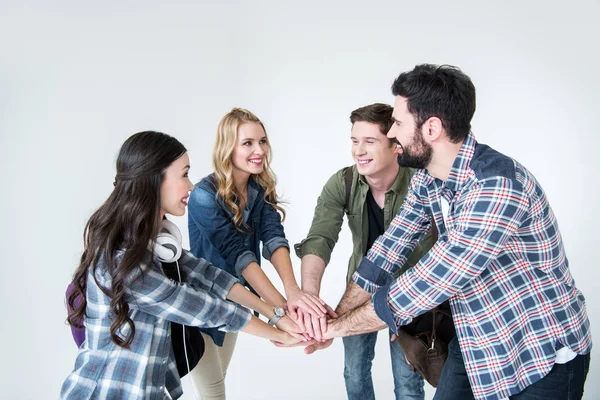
{"points": [[77, 79]]}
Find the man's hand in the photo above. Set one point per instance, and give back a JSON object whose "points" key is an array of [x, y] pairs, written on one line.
{"points": [[318, 346]]}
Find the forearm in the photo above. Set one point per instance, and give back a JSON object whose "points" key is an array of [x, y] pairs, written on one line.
{"points": [[259, 328], [263, 286], [313, 268], [360, 320], [244, 297], [283, 265], [353, 297]]}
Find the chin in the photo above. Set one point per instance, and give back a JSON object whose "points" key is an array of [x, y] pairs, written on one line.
{"points": [[177, 213]]}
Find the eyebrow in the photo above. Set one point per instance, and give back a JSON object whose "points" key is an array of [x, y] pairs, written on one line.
{"points": [[187, 166], [244, 139], [367, 138]]}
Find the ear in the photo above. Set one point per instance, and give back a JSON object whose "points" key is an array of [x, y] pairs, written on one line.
{"points": [[432, 129]]}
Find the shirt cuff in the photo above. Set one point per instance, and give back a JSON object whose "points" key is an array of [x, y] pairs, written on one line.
{"points": [[316, 247], [382, 307], [222, 283], [240, 318], [270, 246], [370, 277], [243, 261]]}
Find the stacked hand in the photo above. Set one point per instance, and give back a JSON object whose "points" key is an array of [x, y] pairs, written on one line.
{"points": [[308, 320]]}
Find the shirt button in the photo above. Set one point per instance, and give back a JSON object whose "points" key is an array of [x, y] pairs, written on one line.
{"points": [[161, 388], [164, 361]]}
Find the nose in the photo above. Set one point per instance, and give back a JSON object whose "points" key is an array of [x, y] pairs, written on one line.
{"points": [[258, 150], [391, 133], [360, 149], [190, 185]]}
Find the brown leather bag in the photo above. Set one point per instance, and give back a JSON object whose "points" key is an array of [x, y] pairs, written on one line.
{"points": [[425, 342]]}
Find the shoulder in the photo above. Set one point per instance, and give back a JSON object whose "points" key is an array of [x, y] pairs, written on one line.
{"points": [[488, 163], [204, 192], [339, 177]]}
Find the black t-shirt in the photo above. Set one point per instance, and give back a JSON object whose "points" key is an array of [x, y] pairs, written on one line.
{"points": [[374, 220]]}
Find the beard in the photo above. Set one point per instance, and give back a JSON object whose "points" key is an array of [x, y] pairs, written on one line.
{"points": [[418, 155]]}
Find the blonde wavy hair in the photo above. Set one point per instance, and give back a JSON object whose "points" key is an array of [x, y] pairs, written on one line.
{"points": [[227, 137]]}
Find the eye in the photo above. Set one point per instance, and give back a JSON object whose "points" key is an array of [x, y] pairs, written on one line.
{"points": [[247, 143], [370, 142], [185, 175], [263, 141], [397, 123]]}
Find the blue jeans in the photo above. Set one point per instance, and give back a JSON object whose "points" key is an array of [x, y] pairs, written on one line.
{"points": [[359, 352], [563, 382]]}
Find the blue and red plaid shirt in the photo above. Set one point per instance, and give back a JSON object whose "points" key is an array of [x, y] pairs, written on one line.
{"points": [[499, 259]]}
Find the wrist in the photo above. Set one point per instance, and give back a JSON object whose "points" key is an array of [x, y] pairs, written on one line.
{"points": [[290, 286], [311, 289], [333, 330]]}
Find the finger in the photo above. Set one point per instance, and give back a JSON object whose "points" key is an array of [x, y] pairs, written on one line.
{"points": [[331, 312], [323, 323], [317, 328], [309, 325], [393, 337], [298, 336], [315, 302], [292, 312], [311, 349], [300, 320]]}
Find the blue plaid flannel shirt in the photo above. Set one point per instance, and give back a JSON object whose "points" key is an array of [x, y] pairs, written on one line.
{"points": [[499, 259], [147, 370]]}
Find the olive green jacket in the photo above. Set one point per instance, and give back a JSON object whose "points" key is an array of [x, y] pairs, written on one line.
{"points": [[329, 215]]}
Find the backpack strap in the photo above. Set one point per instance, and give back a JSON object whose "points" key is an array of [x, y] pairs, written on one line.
{"points": [[348, 184]]}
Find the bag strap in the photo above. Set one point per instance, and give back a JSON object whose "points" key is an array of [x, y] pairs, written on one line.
{"points": [[348, 183]]}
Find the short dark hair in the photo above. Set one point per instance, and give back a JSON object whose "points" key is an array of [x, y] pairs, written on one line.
{"points": [[378, 113], [442, 91]]}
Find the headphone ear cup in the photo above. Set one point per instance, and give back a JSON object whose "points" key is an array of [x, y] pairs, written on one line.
{"points": [[168, 243], [172, 229]]}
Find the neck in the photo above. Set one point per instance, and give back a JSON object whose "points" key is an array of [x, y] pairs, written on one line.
{"points": [[383, 180], [240, 180], [442, 159]]}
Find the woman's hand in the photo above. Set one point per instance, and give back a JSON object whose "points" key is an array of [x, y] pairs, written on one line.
{"points": [[298, 298], [288, 325]]}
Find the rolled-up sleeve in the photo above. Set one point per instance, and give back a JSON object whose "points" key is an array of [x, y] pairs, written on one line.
{"points": [[270, 246], [327, 220], [272, 234], [187, 303], [202, 274]]}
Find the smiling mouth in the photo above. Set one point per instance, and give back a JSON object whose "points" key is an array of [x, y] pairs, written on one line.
{"points": [[256, 161], [399, 149], [363, 162]]}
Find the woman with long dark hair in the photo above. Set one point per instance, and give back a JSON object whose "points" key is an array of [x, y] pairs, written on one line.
{"points": [[127, 302]]}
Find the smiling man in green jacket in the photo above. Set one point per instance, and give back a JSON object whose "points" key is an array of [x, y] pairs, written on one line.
{"points": [[370, 192]]}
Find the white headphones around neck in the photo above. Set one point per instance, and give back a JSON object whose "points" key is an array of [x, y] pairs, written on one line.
{"points": [[168, 249], [168, 242]]}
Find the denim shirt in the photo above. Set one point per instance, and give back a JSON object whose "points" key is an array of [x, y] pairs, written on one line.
{"points": [[214, 237]]}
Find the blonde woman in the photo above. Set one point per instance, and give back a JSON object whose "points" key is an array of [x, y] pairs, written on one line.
{"points": [[230, 212]]}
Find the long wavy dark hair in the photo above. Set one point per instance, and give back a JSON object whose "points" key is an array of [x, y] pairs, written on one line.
{"points": [[128, 220]]}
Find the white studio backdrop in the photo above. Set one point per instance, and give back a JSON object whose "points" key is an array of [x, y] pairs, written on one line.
{"points": [[77, 79]]}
